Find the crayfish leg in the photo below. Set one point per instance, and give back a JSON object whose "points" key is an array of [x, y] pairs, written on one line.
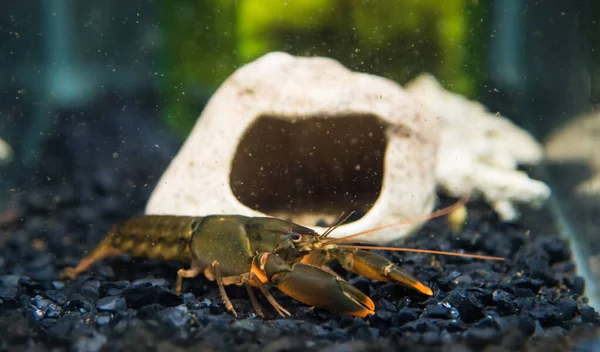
{"points": [[192, 272], [253, 299], [280, 310], [217, 270], [378, 268]]}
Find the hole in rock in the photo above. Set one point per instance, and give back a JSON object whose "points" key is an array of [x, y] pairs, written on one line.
{"points": [[310, 170]]}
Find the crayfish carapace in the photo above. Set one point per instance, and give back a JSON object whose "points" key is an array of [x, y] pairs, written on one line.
{"points": [[260, 251]]}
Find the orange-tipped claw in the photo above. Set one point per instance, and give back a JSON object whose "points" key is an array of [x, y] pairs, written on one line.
{"points": [[379, 268], [316, 287]]}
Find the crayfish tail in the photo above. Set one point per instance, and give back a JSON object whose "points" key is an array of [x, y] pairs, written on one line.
{"points": [[103, 250], [154, 236]]}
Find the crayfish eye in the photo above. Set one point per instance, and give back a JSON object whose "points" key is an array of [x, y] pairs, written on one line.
{"points": [[296, 237]]}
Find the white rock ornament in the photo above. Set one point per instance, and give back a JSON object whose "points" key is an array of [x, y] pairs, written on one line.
{"points": [[305, 139], [480, 151]]}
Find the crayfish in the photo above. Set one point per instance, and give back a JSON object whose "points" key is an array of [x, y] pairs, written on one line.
{"points": [[261, 251]]}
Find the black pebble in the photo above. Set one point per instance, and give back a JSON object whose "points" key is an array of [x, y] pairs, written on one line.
{"points": [[44, 308], [437, 311], [168, 298], [456, 326], [526, 324], [547, 314], [589, 315], [338, 335], [384, 304], [151, 281], [216, 309], [480, 336], [523, 292], [53, 311], [149, 311], [79, 305], [466, 303], [111, 304], [287, 325], [40, 261], [568, 307], [66, 325], [250, 325], [361, 283], [528, 283], [420, 326], [30, 284], [174, 317], [267, 333], [557, 249], [486, 322], [15, 328], [366, 333], [113, 288], [141, 295], [93, 343], [9, 280], [525, 303], [9, 293], [504, 301], [432, 338], [56, 296], [89, 290], [24, 300], [539, 268], [58, 285], [406, 315], [381, 318], [103, 319], [576, 284]]}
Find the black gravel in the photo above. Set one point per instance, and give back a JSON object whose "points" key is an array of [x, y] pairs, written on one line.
{"points": [[532, 301]]}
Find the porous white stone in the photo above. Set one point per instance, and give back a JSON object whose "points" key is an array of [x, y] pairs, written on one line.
{"points": [[310, 92], [481, 150], [578, 142]]}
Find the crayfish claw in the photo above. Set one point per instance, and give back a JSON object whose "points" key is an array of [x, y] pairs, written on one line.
{"points": [[376, 267], [316, 287]]}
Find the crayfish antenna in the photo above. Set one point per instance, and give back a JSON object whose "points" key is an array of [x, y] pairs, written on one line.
{"points": [[429, 216], [337, 223], [414, 250], [435, 214]]}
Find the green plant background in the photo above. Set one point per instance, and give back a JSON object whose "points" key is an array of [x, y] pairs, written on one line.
{"points": [[206, 40]]}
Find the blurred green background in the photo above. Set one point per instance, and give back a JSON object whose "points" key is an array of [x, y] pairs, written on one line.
{"points": [[536, 62], [206, 40]]}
